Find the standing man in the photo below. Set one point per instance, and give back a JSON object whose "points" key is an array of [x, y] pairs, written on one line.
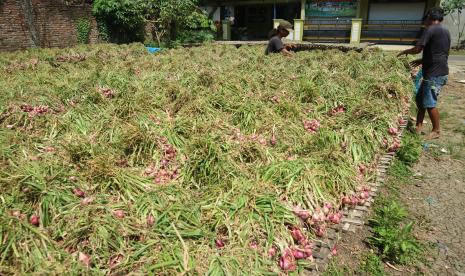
{"points": [[435, 44]]}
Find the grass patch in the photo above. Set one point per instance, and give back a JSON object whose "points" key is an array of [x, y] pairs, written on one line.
{"points": [[455, 52], [411, 149], [369, 264], [392, 231], [392, 235], [335, 269]]}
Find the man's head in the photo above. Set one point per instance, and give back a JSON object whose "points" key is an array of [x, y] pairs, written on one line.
{"points": [[433, 16], [284, 28]]}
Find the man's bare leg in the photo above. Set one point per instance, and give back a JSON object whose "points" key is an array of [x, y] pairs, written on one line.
{"points": [[420, 118], [434, 116]]}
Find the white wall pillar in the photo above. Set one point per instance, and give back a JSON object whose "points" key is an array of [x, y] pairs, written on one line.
{"points": [[356, 31], [226, 29], [302, 9], [298, 29]]}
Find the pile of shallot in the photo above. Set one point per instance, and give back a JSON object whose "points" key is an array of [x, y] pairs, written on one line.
{"points": [[312, 126], [32, 63], [358, 198], [35, 110], [71, 58], [339, 109], [166, 170], [401, 121], [317, 221], [106, 92], [238, 136], [393, 146], [393, 131], [301, 250]]}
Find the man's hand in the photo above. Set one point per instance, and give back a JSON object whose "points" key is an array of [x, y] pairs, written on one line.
{"points": [[412, 51], [286, 52], [290, 47]]}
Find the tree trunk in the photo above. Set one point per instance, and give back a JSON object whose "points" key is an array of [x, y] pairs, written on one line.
{"points": [[30, 18], [461, 31]]}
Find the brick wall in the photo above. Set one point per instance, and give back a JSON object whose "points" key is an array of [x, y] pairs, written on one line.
{"points": [[41, 23]]}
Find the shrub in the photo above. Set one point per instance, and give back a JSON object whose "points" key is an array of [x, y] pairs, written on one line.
{"points": [[83, 29], [411, 149], [391, 236]]}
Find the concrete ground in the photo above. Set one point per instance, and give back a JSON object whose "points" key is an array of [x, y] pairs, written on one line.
{"points": [[457, 66], [391, 47]]}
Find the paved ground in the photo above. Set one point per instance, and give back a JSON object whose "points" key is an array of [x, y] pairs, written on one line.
{"points": [[391, 47], [436, 197]]}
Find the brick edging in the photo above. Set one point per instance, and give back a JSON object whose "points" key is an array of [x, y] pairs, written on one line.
{"points": [[354, 218]]}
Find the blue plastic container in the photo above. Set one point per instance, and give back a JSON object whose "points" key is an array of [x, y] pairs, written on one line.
{"points": [[153, 50]]}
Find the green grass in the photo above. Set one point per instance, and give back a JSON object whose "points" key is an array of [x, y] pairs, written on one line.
{"points": [[371, 264], [335, 269], [411, 149], [368, 264], [391, 228], [392, 235], [457, 52], [184, 137]]}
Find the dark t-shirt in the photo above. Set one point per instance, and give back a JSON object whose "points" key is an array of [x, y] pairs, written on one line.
{"points": [[436, 44], [274, 46]]}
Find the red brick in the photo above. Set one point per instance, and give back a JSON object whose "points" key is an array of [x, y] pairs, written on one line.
{"points": [[53, 20]]}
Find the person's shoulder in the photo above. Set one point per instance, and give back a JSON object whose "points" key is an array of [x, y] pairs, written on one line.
{"points": [[275, 38], [439, 28], [445, 29], [442, 30]]}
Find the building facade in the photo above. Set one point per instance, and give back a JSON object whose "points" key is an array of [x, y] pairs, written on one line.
{"points": [[383, 21]]}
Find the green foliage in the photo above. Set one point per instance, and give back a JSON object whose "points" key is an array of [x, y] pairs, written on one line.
{"points": [[451, 6], [371, 264], [394, 239], [411, 149], [335, 269], [198, 20], [388, 213], [83, 29], [399, 171], [454, 9], [129, 14], [180, 20], [103, 30], [196, 28]]}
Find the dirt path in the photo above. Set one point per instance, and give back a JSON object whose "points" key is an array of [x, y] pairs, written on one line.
{"points": [[436, 198]]}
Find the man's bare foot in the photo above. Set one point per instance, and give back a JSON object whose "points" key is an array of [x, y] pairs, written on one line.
{"points": [[418, 129], [433, 135]]}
